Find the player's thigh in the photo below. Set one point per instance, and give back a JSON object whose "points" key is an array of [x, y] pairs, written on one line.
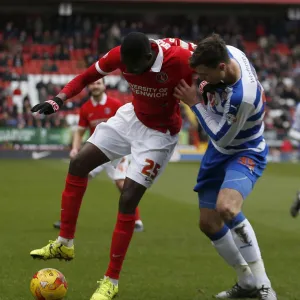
{"points": [[210, 177], [238, 183], [208, 195], [88, 158], [209, 180], [150, 156], [109, 137]]}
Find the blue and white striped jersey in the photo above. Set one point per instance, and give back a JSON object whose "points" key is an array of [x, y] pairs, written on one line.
{"points": [[294, 132], [233, 118], [296, 121]]}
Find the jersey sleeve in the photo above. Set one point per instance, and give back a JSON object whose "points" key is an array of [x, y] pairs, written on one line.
{"points": [[83, 121], [180, 43], [102, 67], [110, 62], [223, 132]]}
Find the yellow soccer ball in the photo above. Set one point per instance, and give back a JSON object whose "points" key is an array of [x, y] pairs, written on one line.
{"points": [[48, 284]]}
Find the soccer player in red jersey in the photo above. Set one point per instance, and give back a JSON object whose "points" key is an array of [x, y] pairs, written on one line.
{"points": [[147, 128], [99, 108]]}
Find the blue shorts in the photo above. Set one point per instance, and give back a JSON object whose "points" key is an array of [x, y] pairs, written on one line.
{"points": [[239, 172]]}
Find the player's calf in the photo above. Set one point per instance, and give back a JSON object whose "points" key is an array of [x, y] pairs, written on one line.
{"points": [[294, 210], [131, 194], [229, 204], [221, 237]]}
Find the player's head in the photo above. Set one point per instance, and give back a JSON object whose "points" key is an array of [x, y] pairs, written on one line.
{"points": [[210, 59], [136, 53], [97, 88]]}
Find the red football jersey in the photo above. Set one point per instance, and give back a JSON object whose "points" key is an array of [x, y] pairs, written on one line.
{"points": [[92, 113], [153, 99]]}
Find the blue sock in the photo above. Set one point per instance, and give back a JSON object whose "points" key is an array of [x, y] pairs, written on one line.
{"points": [[219, 234], [239, 218]]}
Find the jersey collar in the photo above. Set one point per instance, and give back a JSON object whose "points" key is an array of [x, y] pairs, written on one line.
{"points": [[156, 67], [102, 101]]}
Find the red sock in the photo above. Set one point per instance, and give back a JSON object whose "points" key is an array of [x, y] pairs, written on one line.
{"points": [[137, 214], [70, 204], [120, 242]]}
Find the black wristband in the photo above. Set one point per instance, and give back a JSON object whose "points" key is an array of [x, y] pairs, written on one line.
{"points": [[58, 101]]}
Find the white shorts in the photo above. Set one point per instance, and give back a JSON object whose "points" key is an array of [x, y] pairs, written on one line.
{"points": [[123, 134], [114, 173]]}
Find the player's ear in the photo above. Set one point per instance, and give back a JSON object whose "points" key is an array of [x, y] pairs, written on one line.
{"points": [[149, 56], [222, 66]]}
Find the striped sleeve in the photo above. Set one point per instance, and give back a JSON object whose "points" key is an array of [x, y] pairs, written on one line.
{"points": [[231, 123]]}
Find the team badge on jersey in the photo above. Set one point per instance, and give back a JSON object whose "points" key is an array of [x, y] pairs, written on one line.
{"points": [[213, 100], [162, 77], [231, 119], [224, 96], [107, 110]]}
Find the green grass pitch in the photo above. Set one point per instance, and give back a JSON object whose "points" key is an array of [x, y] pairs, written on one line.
{"points": [[171, 260]]}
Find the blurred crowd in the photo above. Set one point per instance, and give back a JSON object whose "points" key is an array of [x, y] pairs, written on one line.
{"points": [[272, 46]]}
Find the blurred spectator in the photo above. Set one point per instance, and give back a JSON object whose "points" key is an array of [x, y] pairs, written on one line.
{"points": [[58, 54], [273, 47], [89, 58], [18, 60], [65, 54], [3, 59], [49, 67]]}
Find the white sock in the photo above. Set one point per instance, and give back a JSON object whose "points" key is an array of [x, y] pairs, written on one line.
{"points": [[245, 240], [66, 242], [139, 222], [113, 281], [260, 275], [227, 249]]}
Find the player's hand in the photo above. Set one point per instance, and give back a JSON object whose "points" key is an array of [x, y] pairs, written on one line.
{"points": [[186, 93], [48, 107], [73, 152], [205, 88]]}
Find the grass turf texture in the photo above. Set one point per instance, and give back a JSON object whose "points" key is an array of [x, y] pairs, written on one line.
{"points": [[171, 260]]}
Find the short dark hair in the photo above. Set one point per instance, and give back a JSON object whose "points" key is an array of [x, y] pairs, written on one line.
{"points": [[210, 52], [135, 45]]}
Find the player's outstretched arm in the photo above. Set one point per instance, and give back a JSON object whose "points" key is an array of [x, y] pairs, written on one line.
{"points": [[74, 87], [106, 64]]}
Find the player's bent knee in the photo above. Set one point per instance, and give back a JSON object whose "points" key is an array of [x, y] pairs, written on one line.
{"points": [[229, 204], [77, 166], [210, 222], [131, 195], [86, 160]]}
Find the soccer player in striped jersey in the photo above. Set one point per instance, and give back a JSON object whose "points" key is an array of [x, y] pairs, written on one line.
{"points": [[294, 134], [232, 116]]}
